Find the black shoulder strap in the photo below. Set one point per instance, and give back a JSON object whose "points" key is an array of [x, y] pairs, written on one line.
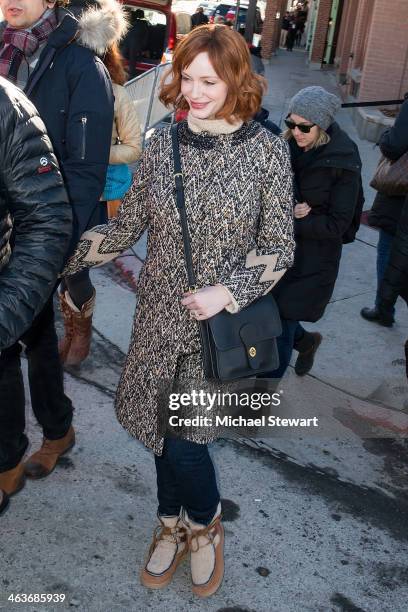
{"points": [[178, 181]]}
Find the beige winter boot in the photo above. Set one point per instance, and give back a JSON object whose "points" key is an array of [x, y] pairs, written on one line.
{"points": [[81, 330], [168, 548], [206, 544]]}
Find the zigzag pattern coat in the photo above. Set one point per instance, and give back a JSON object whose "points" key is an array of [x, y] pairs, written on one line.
{"points": [[239, 201]]}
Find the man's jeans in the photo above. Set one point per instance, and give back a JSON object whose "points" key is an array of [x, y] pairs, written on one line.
{"points": [[51, 406], [186, 478], [383, 255]]}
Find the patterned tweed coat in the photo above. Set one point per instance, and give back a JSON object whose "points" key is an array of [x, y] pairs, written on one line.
{"points": [[239, 202]]}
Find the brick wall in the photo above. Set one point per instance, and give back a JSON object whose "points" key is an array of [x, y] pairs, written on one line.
{"points": [[385, 73], [271, 27], [322, 24], [348, 22]]}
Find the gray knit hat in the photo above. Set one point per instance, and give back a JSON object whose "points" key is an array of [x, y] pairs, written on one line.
{"points": [[316, 105]]}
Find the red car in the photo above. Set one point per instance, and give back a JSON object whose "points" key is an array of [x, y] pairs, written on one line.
{"points": [[161, 26]]}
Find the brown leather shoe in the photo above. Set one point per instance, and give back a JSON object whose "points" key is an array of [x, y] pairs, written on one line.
{"points": [[65, 343], [81, 330], [4, 502], [12, 481], [42, 463]]}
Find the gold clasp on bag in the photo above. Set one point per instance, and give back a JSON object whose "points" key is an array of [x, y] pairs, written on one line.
{"points": [[252, 351]]}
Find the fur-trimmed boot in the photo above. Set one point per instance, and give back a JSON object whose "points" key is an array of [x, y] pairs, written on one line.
{"points": [[206, 544], [78, 331], [168, 548]]}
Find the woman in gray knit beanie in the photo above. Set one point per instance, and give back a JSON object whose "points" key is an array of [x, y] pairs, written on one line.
{"points": [[329, 197]]}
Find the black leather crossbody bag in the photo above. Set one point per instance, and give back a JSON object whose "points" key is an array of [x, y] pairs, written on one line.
{"points": [[233, 346]]}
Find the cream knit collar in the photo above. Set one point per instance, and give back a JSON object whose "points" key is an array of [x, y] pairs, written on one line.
{"points": [[212, 126]]}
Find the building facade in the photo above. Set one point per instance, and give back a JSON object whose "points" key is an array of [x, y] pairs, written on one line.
{"points": [[364, 41]]}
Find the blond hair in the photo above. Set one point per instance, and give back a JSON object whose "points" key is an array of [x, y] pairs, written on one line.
{"points": [[321, 139]]}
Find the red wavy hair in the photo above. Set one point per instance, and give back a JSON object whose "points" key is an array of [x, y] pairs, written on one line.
{"points": [[231, 60]]}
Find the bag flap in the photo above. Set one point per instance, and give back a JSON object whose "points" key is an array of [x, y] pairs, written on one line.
{"points": [[257, 322]]}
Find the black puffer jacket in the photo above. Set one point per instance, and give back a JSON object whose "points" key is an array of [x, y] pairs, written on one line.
{"points": [[395, 281], [329, 180], [386, 210], [34, 202]]}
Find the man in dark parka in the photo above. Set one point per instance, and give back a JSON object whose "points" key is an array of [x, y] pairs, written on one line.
{"points": [[46, 51]]}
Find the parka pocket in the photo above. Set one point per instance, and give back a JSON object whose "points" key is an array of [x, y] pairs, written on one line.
{"points": [[84, 121]]}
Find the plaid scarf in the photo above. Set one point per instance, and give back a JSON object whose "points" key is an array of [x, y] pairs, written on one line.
{"points": [[21, 44]]}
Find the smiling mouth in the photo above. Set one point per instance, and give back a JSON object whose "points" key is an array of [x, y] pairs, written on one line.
{"points": [[198, 105]]}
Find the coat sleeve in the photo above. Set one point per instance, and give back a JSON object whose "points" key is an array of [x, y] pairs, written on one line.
{"points": [[88, 139], [343, 200], [42, 223], [395, 280], [103, 243], [128, 128], [249, 276], [394, 141]]}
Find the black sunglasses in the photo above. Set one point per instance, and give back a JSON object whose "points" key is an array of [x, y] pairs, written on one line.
{"points": [[302, 127]]}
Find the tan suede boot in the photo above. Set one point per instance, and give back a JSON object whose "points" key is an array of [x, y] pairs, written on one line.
{"points": [[65, 343], [42, 463], [82, 330], [168, 548], [206, 544], [13, 481]]}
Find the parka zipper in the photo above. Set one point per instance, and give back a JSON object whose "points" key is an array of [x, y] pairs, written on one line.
{"points": [[84, 121]]}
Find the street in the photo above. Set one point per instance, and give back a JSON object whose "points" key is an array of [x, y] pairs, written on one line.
{"points": [[313, 523]]}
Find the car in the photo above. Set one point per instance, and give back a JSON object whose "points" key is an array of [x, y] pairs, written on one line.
{"points": [[228, 12], [162, 30]]}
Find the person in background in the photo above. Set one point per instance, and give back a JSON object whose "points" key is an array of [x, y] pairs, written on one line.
{"points": [[256, 60], [126, 147], [328, 188], [284, 29], [395, 278], [199, 18], [242, 243], [386, 212], [135, 42], [291, 35], [35, 230], [52, 55]]}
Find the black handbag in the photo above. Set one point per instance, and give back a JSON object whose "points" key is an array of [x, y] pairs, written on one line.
{"points": [[233, 346]]}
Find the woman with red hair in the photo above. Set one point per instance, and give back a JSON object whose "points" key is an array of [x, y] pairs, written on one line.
{"points": [[238, 197]]}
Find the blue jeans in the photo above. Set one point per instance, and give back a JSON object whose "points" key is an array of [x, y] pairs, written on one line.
{"points": [[383, 255], [292, 332], [186, 478]]}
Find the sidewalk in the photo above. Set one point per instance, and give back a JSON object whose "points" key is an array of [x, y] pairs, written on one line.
{"points": [[312, 524]]}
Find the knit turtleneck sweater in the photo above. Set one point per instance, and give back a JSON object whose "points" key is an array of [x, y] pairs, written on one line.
{"points": [[212, 126]]}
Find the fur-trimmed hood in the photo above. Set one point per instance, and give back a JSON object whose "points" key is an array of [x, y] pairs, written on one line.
{"points": [[101, 25]]}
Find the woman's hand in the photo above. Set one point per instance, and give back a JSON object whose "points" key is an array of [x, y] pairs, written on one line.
{"points": [[206, 302], [301, 210]]}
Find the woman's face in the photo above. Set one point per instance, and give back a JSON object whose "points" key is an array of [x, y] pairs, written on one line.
{"points": [[303, 140], [202, 88]]}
